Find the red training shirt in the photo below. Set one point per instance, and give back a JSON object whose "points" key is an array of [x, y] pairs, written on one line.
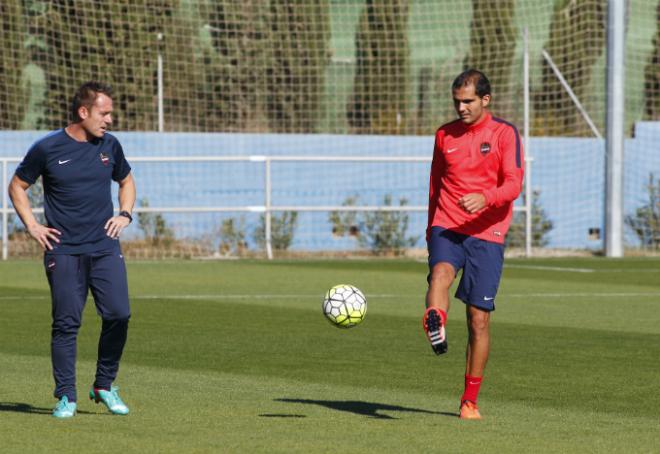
{"points": [[487, 158]]}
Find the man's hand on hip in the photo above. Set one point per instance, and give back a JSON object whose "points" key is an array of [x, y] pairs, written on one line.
{"points": [[44, 235]]}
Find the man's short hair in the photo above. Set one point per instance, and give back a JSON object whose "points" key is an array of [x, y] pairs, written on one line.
{"points": [[473, 77], [86, 95]]}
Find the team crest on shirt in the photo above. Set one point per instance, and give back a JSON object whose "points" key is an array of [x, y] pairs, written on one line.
{"points": [[105, 159], [484, 148]]}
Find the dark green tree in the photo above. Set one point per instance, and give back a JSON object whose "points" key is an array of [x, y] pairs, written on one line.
{"points": [[382, 77], [12, 60], [299, 45], [575, 42], [652, 77], [268, 63], [492, 46], [116, 44], [233, 94]]}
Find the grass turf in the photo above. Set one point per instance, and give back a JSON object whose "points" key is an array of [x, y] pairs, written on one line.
{"points": [[236, 357]]}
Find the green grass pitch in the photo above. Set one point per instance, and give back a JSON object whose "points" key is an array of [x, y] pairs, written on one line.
{"points": [[236, 356]]}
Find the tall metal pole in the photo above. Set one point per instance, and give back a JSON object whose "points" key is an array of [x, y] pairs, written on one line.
{"points": [[528, 158], [616, 13], [161, 114]]}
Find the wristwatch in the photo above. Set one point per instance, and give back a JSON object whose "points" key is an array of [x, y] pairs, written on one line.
{"points": [[126, 214]]}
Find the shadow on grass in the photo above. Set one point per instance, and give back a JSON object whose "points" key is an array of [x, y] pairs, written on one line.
{"points": [[281, 415], [18, 407], [364, 408]]}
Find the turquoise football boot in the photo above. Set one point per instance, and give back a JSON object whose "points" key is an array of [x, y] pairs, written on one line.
{"points": [[111, 400], [64, 408]]}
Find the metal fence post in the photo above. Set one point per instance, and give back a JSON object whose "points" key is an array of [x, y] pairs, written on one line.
{"points": [[5, 212], [528, 167], [267, 212]]}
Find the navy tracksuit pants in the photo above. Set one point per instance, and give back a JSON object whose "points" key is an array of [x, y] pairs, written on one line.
{"points": [[70, 278]]}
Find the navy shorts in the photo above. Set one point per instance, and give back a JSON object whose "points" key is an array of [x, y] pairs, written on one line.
{"points": [[480, 260]]}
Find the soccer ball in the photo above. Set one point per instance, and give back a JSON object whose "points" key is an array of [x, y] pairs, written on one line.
{"points": [[344, 306]]}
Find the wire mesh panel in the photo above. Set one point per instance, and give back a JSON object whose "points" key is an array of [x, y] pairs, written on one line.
{"points": [[365, 66], [335, 69]]}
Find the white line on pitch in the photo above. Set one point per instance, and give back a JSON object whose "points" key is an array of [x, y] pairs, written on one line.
{"points": [[629, 270], [409, 296], [572, 295], [585, 270], [312, 296], [31, 297], [209, 297], [551, 268], [228, 296], [542, 267]]}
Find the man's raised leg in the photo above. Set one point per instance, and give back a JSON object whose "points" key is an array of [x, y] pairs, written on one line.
{"points": [[437, 304]]}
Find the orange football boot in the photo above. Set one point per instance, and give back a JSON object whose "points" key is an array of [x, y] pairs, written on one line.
{"points": [[469, 410]]}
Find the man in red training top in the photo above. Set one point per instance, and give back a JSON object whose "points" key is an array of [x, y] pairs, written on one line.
{"points": [[476, 174]]}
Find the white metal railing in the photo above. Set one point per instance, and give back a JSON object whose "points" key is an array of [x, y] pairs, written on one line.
{"points": [[267, 208]]}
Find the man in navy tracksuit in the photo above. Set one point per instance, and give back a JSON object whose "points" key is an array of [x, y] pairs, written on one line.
{"points": [[78, 164]]}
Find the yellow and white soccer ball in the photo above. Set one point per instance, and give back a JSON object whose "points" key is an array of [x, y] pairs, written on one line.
{"points": [[344, 306]]}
